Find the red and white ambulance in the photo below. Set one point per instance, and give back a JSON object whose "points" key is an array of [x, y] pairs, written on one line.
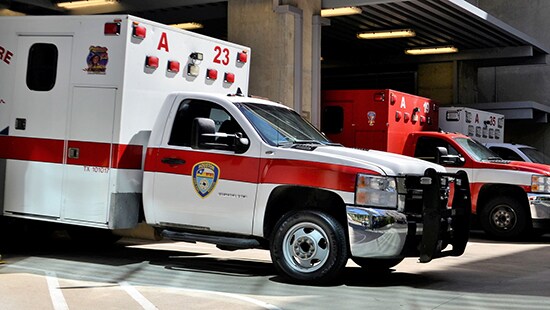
{"points": [[93, 134], [510, 198]]}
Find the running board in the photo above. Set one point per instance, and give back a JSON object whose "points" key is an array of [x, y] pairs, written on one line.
{"points": [[222, 242]]}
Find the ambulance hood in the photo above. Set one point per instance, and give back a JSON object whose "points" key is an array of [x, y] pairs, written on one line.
{"points": [[391, 164]]}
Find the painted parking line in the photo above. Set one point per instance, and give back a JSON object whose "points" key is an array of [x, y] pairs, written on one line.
{"points": [[58, 300], [136, 295]]}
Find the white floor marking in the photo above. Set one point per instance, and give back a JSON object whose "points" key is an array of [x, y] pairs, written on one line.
{"points": [[58, 300], [136, 295]]}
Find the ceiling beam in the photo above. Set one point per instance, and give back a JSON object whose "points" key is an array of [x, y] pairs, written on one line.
{"points": [[329, 4]]}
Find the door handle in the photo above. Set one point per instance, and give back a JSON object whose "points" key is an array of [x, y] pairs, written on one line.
{"points": [[74, 153], [172, 161]]}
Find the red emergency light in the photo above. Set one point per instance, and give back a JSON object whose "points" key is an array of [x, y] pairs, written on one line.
{"points": [[211, 74], [242, 57], [379, 97], [398, 116], [229, 77], [173, 66], [151, 62], [422, 119], [111, 29], [139, 31], [393, 98], [406, 117]]}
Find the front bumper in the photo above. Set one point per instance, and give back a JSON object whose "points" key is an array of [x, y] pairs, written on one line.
{"points": [[539, 204], [381, 233]]}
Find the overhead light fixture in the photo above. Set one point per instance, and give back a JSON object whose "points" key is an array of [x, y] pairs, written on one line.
{"points": [[387, 34], [431, 50], [85, 3], [349, 10], [188, 26]]}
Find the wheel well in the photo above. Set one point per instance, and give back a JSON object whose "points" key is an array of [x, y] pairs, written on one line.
{"points": [[284, 199], [489, 192]]}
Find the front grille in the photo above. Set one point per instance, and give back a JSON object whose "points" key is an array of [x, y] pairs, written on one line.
{"points": [[410, 187]]}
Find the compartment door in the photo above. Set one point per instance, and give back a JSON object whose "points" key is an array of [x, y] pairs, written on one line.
{"points": [[37, 126], [86, 180]]}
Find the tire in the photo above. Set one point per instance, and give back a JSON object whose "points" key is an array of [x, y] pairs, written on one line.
{"points": [[377, 264], [309, 246], [504, 218]]}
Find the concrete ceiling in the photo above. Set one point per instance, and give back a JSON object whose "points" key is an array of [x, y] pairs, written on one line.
{"points": [[478, 36]]}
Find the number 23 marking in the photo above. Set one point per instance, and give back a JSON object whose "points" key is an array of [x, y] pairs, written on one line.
{"points": [[225, 57]]}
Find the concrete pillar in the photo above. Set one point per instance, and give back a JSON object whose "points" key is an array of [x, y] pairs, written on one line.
{"points": [[281, 36], [436, 81]]}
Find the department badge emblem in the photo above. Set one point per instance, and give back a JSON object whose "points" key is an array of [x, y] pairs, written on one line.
{"points": [[205, 176], [371, 117]]}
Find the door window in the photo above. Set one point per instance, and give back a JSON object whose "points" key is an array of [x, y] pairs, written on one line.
{"points": [[190, 109], [42, 66]]}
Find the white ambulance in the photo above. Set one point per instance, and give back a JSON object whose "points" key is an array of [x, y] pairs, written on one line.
{"points": [[87, 140], [483, 126]]}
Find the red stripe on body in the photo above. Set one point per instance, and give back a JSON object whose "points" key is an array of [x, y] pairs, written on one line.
{"points": [[246, 169], [95, 154], [31, 149]]}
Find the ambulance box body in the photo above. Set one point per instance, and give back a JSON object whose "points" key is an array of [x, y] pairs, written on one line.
{"points": [[483, 126], [78, 98]]}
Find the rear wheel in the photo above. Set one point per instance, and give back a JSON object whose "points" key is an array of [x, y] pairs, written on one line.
{"points": [[309, 246], [504, 217]]}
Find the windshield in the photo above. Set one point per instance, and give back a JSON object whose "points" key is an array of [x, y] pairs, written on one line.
{"points": [[535, 155], [280, 126], [476, 150]]}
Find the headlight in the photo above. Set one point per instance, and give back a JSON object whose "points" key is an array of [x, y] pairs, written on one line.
{"points": [[540, 184], [375, 191]]}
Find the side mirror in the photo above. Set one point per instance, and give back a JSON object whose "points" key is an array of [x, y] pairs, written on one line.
{"points": [[241, 143], [202, 131], [204, 136]]}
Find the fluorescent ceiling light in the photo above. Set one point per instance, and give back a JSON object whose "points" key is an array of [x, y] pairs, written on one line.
{"points": [[81, 4], [349, 10], [431, 50], [188, 26], [387, 34]]}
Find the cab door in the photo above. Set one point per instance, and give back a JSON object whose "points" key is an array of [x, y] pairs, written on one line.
{"points": [[205, 189]]}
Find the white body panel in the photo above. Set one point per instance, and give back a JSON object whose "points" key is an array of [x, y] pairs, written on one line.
{"points": [[480, 125], [84, 140]]}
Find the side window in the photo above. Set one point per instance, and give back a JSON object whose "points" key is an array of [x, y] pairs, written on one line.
{"points": [[332, 120], [190, 109], [42, 67], [426, 148]]}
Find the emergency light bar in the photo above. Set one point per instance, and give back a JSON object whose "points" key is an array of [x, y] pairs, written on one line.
{"points": [[242, 57], [112, 28], [211, 74], [229, 77], [139, 31], [452, 116], [152, 62], [173, 66]]}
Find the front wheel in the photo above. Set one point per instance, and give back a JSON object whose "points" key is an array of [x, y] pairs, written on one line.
{"points": [[504, 218], [309, 246]]}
